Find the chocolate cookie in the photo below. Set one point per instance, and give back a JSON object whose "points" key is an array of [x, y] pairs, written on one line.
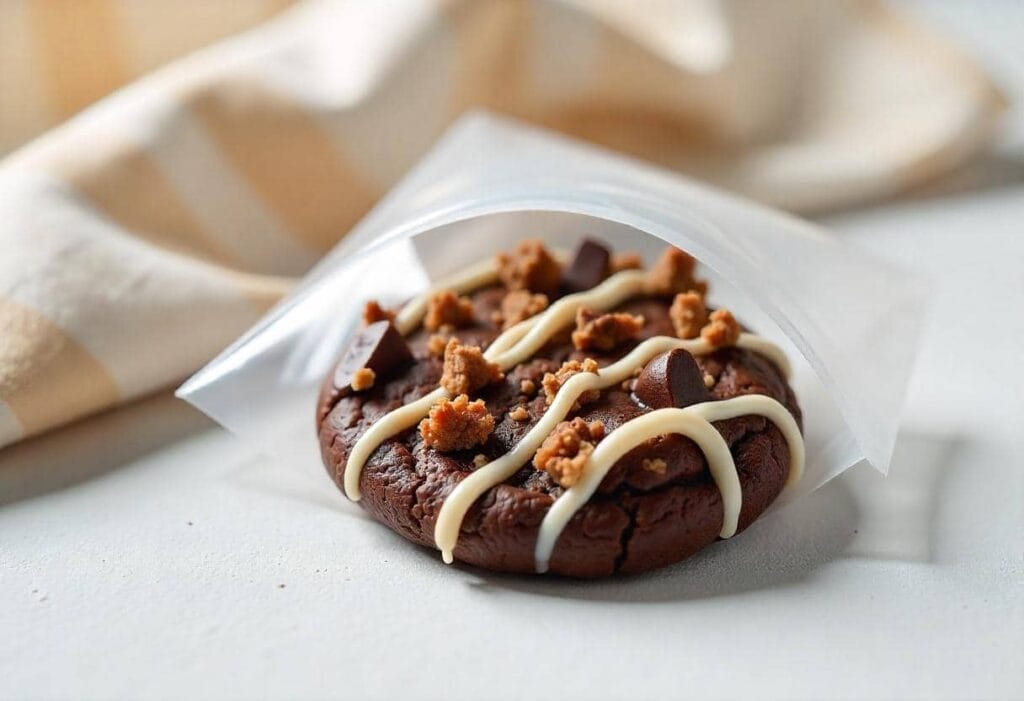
{"points": [[631, 494]]}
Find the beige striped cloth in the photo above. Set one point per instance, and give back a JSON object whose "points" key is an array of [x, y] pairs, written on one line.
{"points": [[142, 235]]}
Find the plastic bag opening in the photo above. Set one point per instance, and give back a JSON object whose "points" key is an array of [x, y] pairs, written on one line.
{"points": [[848, 322]]}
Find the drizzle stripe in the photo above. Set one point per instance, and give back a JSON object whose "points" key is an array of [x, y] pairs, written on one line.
{"points": [[458, 503], [394, 422], [694, 422], [531, 334], [477, 276]]}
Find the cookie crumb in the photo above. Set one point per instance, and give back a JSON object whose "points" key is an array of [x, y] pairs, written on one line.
{"points": [[446, 308], [373, 313], [688, 314], [520, 413], [709, 380], [603, 332], [528, 387], [479, 460], [553, 381], [722, 330], [436, 344], [456, 424], [529, 267], [655, 465], [466, 370], [673, 273], [363, 379], [627, 260], [519, 305], [564, 452]]}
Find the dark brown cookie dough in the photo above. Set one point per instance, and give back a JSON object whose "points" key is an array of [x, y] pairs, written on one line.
{"points": [[656, 506]]}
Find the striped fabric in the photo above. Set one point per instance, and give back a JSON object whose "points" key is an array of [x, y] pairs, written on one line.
{"points": [[143, 234]]}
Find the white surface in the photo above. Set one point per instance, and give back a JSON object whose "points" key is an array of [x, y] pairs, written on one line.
{"points": [[142, 553]]}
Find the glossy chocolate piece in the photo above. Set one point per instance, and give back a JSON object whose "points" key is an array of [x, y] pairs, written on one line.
{"points": [[379, 347], [671, 379], [588, 266]]}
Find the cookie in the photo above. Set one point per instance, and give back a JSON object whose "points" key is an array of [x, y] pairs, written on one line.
{"points": [[602, 422]]}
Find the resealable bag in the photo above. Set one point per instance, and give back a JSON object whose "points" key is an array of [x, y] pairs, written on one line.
{"points": [[848, 321]]}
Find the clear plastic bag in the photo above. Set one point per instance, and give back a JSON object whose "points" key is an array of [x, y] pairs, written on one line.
{"points": [[849, 322]]}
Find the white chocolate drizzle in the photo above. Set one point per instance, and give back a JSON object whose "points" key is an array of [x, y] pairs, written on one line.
{"points": [[694, 422], [508, 350], [476, 276], [519, 343], [471, 488]]}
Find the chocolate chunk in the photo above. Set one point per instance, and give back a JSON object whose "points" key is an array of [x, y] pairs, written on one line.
{"points": [[378, 347], [671, 379], [588, 267]]}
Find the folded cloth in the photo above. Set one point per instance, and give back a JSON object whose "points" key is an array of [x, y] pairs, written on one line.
{"points": [[144, 234]]}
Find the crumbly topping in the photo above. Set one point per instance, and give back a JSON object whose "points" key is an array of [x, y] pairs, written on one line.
{"points": [[553, 381], [373, 313], [530, 267], [479, 460], [466, 370], [363, 379], [722, 330], [446, 308], [456, 424], [519, 305], [603, 332], [520, 413], [627, 260], [709, 380], [564, 452], [688, 314], [528, 387], [655, 465], [673, 273], [436, 344]]}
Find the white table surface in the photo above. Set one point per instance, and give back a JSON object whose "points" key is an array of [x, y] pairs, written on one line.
{"points": [[143, 554]]}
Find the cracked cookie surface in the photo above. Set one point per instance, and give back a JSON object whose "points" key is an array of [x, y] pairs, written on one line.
{"points": [[640, 518]]}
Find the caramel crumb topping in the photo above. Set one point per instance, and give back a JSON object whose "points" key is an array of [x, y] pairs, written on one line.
{"points": [[528, 387], [688, 314], [627, 260], [373, 312], [436, 344], [456, 424], [709, 380], [519, 305], [363, 379], [565, 451], [466, 370], [722, 330], [530, 267], [553, 381], [673, 273], [604, 331], [656, 465], [447, 309], [520, 413], [479, 460]]}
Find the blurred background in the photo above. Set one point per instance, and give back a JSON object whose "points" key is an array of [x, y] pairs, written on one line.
{"points": [[168, 157]]}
